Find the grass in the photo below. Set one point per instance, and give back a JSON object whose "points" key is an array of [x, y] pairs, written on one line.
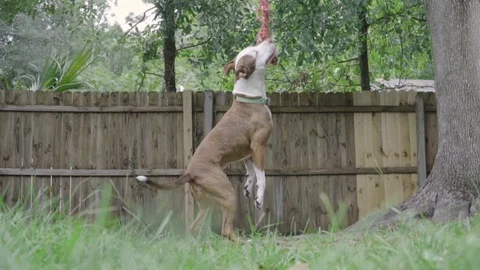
{"points": [[34, 239]]}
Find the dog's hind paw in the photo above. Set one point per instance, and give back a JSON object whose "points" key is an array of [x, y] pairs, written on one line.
{"points": [[258, 203]]}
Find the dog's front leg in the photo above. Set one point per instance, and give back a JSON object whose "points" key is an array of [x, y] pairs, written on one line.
{"points": [[251, 176], [258, 157]]}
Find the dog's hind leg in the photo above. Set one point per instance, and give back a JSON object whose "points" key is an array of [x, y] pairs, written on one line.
{"points": [[251, 176], [228, 202], [229, 208], [202, 210], [215, 183]]}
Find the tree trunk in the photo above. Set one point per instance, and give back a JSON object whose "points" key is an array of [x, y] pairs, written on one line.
{"points": [[451, 190], [169, 46], [363, 58]]}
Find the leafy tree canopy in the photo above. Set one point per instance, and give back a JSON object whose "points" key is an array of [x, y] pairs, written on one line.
{"points": [[317, 40]]}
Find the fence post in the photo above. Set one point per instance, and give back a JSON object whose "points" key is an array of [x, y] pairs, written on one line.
{"points": [[421, 149], [188, 152], [208, 112]]}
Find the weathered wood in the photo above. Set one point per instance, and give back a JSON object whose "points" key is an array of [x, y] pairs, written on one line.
{"points": [[421, 148], [67, 146], [89, 109], [231, 172], [368, 152], [198, 118], [391, 143], [175, 155], [188, 151], [5, 142], [366, 159], [208, 112], [338, 109], [295, 192], [82, 134], [218, 108], [94, 186], [2, 97]]}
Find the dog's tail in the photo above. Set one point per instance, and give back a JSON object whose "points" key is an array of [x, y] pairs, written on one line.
{"points": [[170, 185]]}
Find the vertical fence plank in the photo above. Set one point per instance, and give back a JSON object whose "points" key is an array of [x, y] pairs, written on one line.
{"points": [[95, 140], [78, 138], [3, 138], [68, 131], [294, 191], [188, 151], [207, 112], [2, 96], [126, 188], [143, 136], [421, 152], [86, 133], [41, 147], [28, 151], [367, 148], [391, 131], [15, 187], [275, 185]]}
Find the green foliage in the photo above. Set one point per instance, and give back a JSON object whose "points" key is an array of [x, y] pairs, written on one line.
{"points": [[321, 38], [318, 43], [11, 8], [61, 74], [34, 239], [26, 44], [203, 37]]}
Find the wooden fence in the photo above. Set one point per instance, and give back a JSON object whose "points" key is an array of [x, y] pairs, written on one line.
{"points": [[367, 150]]}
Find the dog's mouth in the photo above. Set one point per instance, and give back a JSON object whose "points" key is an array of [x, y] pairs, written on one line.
{"points": [[273, 59]]}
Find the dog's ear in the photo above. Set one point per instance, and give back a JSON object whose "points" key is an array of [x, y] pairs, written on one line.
{"points": [[228, 67], [245, 67]]}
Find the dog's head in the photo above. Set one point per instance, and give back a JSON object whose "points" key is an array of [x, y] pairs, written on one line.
{"points": [[251, 59]]}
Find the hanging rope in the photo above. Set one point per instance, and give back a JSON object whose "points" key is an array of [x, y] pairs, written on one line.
{"points": [[263, 16]]}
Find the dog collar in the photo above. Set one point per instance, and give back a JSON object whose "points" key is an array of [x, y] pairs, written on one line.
{"points": [[256, 100]]}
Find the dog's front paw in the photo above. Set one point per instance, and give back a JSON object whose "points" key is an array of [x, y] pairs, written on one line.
{"points": [[248, 188], [246, 191], [258, 203]]}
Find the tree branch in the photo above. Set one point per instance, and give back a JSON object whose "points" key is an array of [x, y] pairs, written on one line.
{"points": [[141, 20], [402, 13], [154, 74], [195, 45], [414, 18], [141, 82], [349, 60]]}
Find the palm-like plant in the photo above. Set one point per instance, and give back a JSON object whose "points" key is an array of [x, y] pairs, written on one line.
{"points": [[62, 73]]}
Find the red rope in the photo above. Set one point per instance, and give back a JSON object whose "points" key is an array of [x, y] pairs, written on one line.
{"points": [[263, 16]]}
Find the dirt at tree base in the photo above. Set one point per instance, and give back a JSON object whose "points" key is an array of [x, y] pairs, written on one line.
{"points": [[432, 202]]}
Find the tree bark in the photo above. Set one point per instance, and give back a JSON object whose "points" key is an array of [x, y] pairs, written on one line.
{"points": [[451, 190], [169, 46], [363, 58]]}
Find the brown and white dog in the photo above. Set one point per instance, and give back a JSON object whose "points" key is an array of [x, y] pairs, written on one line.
{"points": [[241, 134]]}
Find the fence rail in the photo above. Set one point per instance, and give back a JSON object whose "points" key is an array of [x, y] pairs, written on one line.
{"points": [[179, 172], [158, 109], [368, 150]]}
